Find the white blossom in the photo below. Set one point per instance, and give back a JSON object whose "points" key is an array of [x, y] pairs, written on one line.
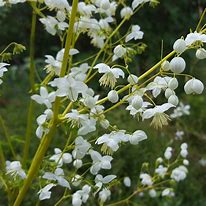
{"points": [[194, 86], [201, 53], [135, 33], [45, 192], [177, 65], [179, 173], [113, 96], [15, 169], [179, 45], [127, 182], [146, 179], [137, 137], [2, 70]]}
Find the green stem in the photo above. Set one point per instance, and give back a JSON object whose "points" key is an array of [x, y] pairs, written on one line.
{"points": [[30, 116], [34, 168], [7, 137]]}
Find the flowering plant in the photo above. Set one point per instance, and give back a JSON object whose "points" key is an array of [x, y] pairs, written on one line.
{"points": [[76, 111]]}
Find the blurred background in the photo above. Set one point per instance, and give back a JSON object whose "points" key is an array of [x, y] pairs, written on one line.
{"points": [[167, 22]]}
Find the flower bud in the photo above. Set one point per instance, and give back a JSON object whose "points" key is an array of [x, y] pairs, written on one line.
{"points": [[126, 12], [173, 84], [105, 4], [173, 99], [201, 53], [89, 102], [194, 86], [132, 79], [119, 51], [169, 92], [177, 65], [137, 102], [77, 163], [179, 45], [127, 181], [165, 66], [137, 137], [113, 96]]}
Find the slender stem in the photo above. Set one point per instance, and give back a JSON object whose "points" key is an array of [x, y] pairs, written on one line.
{"points": [[201, 19], [7, 136], [2, 158], [34, 168], [30, 116]]}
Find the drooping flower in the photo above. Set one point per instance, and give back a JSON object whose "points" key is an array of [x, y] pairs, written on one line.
{"points": [[14, 169], [110, 74], [194, 86], [45, 192], [135, 33]]}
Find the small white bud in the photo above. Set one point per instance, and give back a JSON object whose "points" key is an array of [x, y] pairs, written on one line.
{"points": [[77, 163], [169, 92], [119, 51], [168, 153], [113, 96], [201, 53], [184, 153], [137, 102], [185, 162], [165, 66], [173, 84], [132, 79], [173, 99], [177, 65], [194, 86], [105, 4], [179, 45], [127, 182], [126, 12], [152, 193]]}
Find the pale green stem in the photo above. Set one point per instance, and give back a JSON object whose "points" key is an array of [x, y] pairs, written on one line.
{"points": [[7, 137], [34, 168], [30, 116]]}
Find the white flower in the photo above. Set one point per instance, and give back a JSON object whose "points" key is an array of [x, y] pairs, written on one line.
{"points": [[180, 111], [127, 181], [177, 65], [105, 4], [81, 148], [44, 193], [111, 141], [78, 163], [99, 162], [126, 12], [146, 179], [86, 9], [58, 176], [152, 193], [173, 84], [137, 137], [14, 169], [179, 173], [173, 99], [68, 86], [179, 135], [194, 37], [180, 45], [137, 102], [100, 180], [136, 3], [81, 196], [135, 34], [168, 153], [113, 96], [161, 171], [169, 92], [16, 1], [52, 24], [132, 79], [201, 53], [44, 97], [110, 74], [57, 4], [160, 118], [194, 86], [41, 120], [59, 157], [104, 195], [119, 51], [2, 3], [2, 70], [168, 192], [165, 66]]}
